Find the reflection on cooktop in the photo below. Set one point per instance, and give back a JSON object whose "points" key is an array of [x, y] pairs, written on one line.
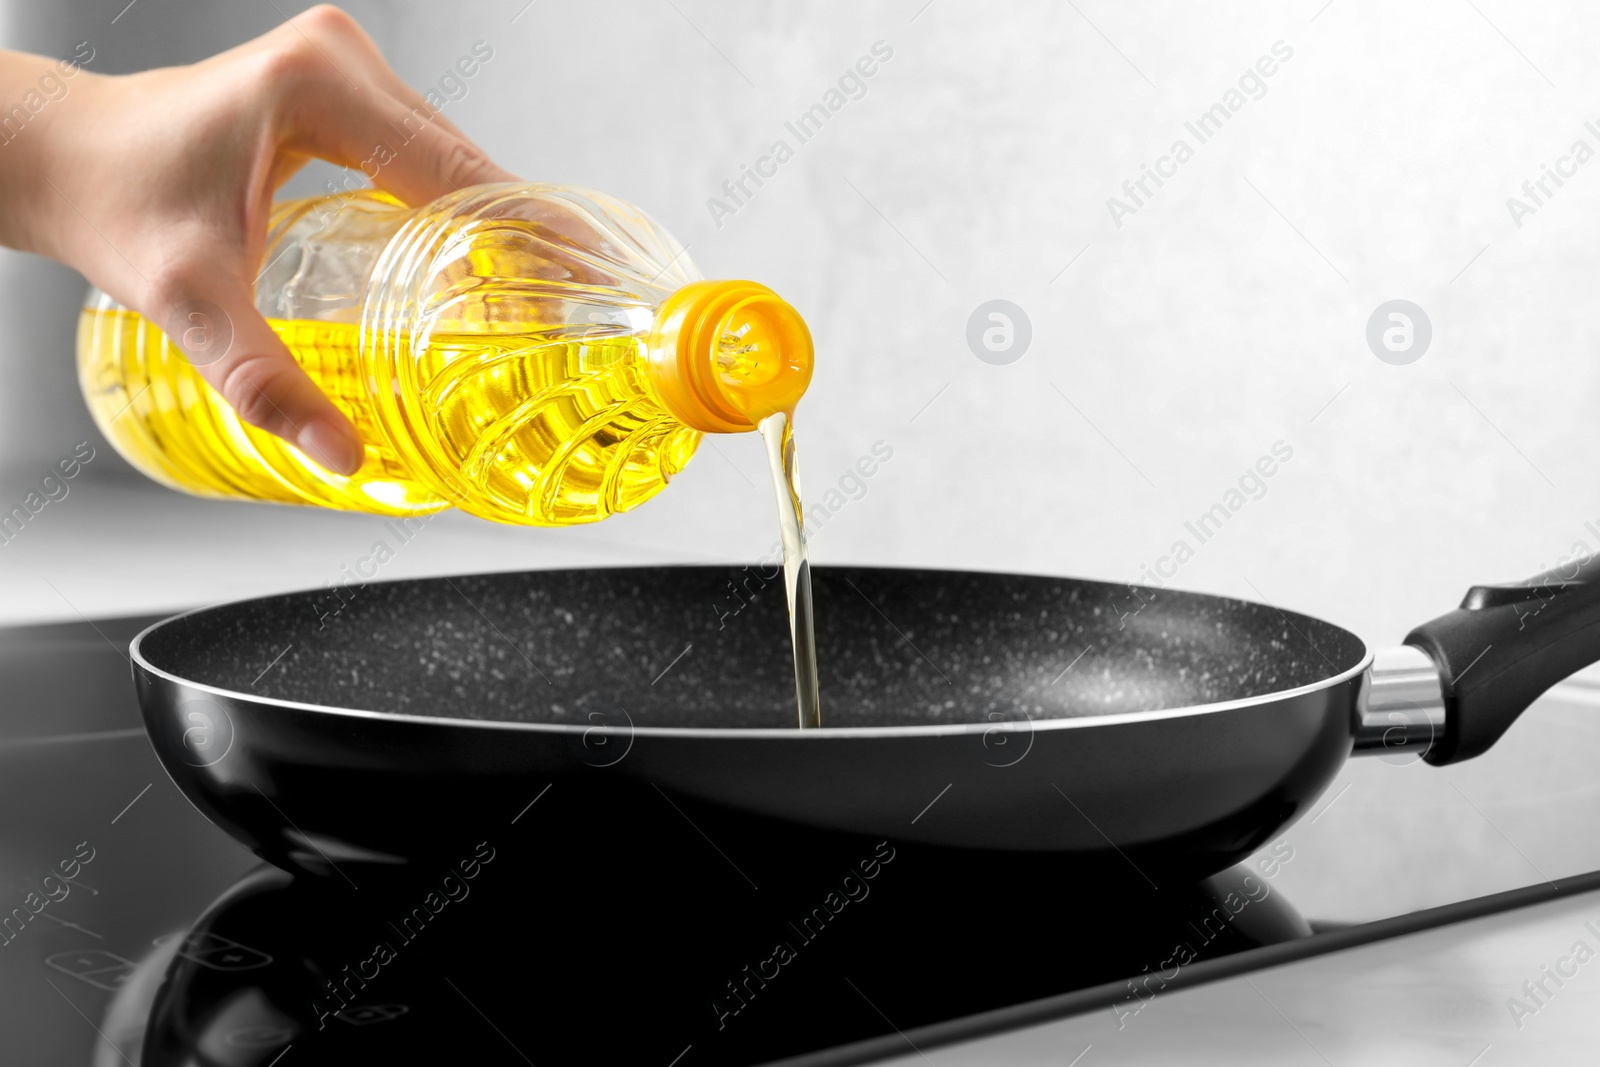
{"points": [[511, 952]]}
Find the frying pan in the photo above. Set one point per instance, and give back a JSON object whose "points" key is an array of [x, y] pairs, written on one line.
{"points": [[1094, 725]]}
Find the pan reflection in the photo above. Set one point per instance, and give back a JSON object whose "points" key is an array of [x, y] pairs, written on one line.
{"points": [[692, 929]]}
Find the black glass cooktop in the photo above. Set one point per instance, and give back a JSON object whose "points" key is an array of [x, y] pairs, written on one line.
{"points": [[135, 932]]}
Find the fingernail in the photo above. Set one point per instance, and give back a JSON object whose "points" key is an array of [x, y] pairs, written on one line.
{"points": [[330, 445]]}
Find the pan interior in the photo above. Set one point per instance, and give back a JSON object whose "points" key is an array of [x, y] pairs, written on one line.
{"points": [[709, 647]]}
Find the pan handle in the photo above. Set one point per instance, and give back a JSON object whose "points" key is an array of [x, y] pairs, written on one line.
{"points": [[1504, 646]]}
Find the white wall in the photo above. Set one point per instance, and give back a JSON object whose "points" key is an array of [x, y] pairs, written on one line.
{"points": [[1219, 319]]}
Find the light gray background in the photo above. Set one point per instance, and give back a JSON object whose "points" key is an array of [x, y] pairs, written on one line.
{"points": [[1170, 355], [1226, 315]]}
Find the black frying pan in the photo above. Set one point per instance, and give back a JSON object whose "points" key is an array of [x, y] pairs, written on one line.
{"points": [[1160, 732]]}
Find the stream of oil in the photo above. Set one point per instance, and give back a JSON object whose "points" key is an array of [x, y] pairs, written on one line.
{"points": [[778, 433]]}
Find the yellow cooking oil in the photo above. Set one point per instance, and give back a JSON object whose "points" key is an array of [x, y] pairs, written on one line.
{"points": [[543, 432]]}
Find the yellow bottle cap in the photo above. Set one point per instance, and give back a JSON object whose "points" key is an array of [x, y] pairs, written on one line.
{"points": [[725, 355]]}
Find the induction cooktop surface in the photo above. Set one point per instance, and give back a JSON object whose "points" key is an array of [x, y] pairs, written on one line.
{"points": [[139, 933]]}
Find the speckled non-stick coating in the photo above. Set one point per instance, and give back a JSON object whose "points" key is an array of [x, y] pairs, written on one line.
{"points": [[895, 647]]}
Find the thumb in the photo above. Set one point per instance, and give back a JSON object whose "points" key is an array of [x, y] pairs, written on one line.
{"points": [[216, 325]]}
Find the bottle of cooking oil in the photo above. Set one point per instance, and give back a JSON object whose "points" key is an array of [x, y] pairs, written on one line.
{"points": [[531, 354]]}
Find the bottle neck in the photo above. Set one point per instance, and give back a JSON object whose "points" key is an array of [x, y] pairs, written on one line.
{"points": [[724, 355]]}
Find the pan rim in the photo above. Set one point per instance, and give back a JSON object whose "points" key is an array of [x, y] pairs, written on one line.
{"points": [[136, 654]]}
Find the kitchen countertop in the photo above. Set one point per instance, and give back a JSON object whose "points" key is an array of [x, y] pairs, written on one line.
{"points": [[1436, 997], [116, 547]]}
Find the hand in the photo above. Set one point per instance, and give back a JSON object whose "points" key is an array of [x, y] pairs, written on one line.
{"points": [[157, 187]]}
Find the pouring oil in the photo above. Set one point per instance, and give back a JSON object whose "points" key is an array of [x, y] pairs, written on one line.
{"points": [[531, 354], [777, 431]]}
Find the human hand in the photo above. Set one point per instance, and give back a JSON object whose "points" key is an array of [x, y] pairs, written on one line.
{"points": [[157, 187]]}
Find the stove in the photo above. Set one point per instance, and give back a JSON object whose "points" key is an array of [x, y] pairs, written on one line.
{"points": [[138, 933]]}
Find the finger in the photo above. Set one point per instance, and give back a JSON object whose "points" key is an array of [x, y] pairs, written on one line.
{"points": [[402, 150], [414, 100], [347, 48], [217, 326], [351, 41], [336, 99]]}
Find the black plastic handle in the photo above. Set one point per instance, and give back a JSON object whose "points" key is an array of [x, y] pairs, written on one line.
{"points": [[1505, 645]]}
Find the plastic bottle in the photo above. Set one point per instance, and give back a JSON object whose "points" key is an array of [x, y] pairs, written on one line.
{"points": [[531, 354]]}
